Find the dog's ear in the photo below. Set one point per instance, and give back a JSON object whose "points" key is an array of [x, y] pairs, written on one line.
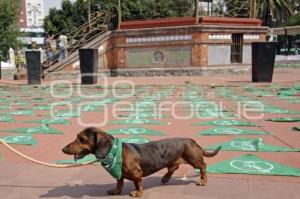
{"points": [[102, 143]]}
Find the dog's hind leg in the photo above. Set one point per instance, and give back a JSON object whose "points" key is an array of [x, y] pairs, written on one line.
{"points": [[203, 176], [118, 189], [193, 155], [169, 174], [198, 163]]}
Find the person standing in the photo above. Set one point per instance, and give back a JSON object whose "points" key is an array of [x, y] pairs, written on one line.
{"points": [[61, 47], [47, 46]]}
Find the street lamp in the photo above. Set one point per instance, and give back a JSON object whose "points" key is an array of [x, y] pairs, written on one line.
{"points": [[252, 8], [0, 66], [89, 12], [119, 14]]}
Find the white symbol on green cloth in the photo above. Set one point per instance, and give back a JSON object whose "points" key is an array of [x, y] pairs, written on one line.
{"points": [[244, 145], [226, 122], [252, 166], [231, 131], [137, 121], [130, 131], [109, 159]]}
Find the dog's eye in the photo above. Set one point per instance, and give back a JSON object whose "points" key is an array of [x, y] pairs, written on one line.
{"points": [[82, 140]]}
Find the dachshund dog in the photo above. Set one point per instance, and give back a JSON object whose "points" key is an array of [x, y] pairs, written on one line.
{"points": [[140, 160]]}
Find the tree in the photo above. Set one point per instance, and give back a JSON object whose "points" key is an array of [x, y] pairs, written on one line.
{"points": [[72, 15], [64, 20], [279, 10], [267, 10], [147, 9], [293, 20], [9, 32]]}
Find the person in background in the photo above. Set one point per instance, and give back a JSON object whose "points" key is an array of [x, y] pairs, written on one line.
{"points": [[47, 46], [61, 46]]}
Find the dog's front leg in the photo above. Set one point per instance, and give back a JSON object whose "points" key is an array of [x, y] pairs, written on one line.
{"points": [[118, 189], [138, 188]]}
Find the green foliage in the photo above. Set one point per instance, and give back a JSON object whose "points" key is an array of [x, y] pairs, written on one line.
{"points": [[74, 14], [293, 20], [146, 9], [9, 15], [280, 10], [64, 20]]}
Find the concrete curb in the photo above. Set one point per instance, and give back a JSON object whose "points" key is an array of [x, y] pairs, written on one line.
{"points": [[151, 72]]}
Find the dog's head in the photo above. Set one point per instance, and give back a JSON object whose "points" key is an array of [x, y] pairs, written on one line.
{"points": [[90, 140]]}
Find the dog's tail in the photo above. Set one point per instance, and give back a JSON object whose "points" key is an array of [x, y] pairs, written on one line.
{"points": [[211, 154]]}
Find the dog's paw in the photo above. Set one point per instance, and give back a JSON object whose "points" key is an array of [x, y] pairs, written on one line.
{"points": [[136, 194], [113, 192], [165, 179], [201, 183]]}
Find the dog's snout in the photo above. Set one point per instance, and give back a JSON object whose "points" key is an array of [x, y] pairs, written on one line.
{"points": [[66, 150]]}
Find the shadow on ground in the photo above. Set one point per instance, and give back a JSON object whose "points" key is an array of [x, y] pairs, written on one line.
{"points": [[98, 190]]}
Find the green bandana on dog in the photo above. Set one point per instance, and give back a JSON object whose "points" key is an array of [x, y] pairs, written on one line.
{"points": [[113, 160]]}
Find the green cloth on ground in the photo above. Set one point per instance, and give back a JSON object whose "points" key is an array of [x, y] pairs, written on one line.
{"points": [[49, 121], [284, 119], [251, 164], [137, 121], [66, 114], [290, 92], [204, 104], [22, 103], [19, 112], [225, 122], [6, 119], [135, 139], [43, 129], [294, 101], [145, 115], [112, 162], [42, 107], [137, 110], [283, 97], [134, 131], [230, 131], [295, 128], [262, 93], [296, 86], [19, 139], [273, 109], [7, 107], [213, 114], [3, 100], [38, 99], [247, 144], [90, 108]]}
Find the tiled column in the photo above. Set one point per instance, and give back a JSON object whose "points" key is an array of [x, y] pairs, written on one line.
{"points": [[199, 49]]}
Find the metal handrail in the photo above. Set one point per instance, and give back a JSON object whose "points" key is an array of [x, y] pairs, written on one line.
{"points": [[84, 34]]}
